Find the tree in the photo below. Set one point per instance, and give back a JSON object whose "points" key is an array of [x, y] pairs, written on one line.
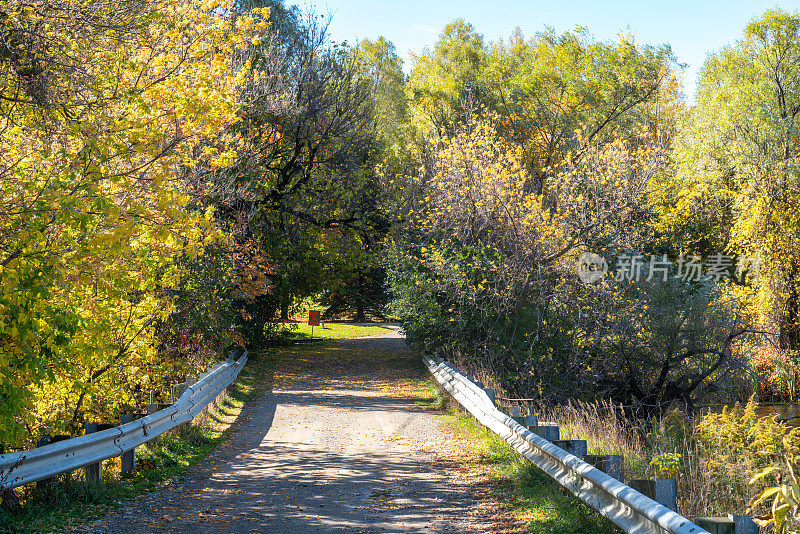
{"points": [[549, 85], [441, 78], [495, 260], [308, 173], [736, 185], [111, 115]]}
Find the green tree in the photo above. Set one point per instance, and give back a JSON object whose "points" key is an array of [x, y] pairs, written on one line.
{"points": [[443, 77], [737, 182]]}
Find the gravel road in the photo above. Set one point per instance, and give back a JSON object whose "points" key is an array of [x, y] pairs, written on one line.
{"points": [[329, 449]]}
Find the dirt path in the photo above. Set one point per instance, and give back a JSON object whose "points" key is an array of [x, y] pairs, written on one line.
{"points": [[331, 449]]}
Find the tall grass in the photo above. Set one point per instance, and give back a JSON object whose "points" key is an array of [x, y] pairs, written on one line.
{"points": [[713, 456]]}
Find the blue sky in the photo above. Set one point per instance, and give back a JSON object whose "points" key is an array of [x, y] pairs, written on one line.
{"points": [[692, 28]]}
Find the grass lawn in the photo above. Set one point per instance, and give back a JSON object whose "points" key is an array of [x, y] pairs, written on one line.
{"points": [[332, 331]]}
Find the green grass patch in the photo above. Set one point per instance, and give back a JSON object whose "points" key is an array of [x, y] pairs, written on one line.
{"points": [[69, 501], [331, 331], [536, 498]]}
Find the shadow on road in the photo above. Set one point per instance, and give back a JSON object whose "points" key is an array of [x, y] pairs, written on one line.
{"points": [[325, 451]]}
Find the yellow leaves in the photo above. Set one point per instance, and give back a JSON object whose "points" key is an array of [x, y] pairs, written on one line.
{"points": [[224, 159], [111, 221]]}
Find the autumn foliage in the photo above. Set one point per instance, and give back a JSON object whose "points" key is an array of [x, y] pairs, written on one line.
{"points": [[113, 114]]}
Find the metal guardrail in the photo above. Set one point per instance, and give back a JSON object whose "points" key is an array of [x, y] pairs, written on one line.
{"points": [[624, 506], [25, 467]]}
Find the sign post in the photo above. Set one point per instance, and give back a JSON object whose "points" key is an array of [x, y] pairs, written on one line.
{"points": [[313, 320]]}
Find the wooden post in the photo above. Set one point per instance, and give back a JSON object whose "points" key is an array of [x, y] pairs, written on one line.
{"points": [[662, 490], [576, 447], [41, 442], [743, 524], [516, 415], [548, 432], [128, 459], [529, 421], [94, 472], [153, 408], [61, 437], [610, 464], [715, 525]]}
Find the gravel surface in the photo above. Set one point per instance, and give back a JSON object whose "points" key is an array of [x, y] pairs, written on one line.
{"points": [[332, 448]]}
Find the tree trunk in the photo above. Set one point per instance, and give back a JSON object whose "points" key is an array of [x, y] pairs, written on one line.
{"points": [[285, 311], [360, 314]]}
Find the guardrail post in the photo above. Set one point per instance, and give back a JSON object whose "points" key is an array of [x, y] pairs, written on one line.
{"points": [[610, 464], [61, 437], [548, 432], [41, 442], [128, 458], [516, 415], [181, 388], [153, 408], [662, 490], [716, 525], [576, 447], [490, 393], [93, 472], [743, 524], [529, 421]]}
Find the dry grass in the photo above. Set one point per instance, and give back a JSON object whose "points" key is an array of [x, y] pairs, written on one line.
{"points": [[713, 474]]}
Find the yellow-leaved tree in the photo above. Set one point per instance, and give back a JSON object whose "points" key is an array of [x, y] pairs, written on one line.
{"points": [[113, 115], [736, 184]]}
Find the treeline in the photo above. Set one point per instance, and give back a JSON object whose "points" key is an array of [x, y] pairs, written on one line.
{"points": [[536, 163], [175, 176], [172, 176]]}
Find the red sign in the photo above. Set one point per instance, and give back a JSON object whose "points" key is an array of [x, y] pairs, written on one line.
{"points": [[313, 317]]}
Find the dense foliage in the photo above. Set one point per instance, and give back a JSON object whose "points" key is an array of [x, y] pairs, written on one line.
{"points": [[171, 175], [175, 176], [535, 157]]}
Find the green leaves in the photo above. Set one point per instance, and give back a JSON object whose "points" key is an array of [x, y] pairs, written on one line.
{"points": [[785, 497]]}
